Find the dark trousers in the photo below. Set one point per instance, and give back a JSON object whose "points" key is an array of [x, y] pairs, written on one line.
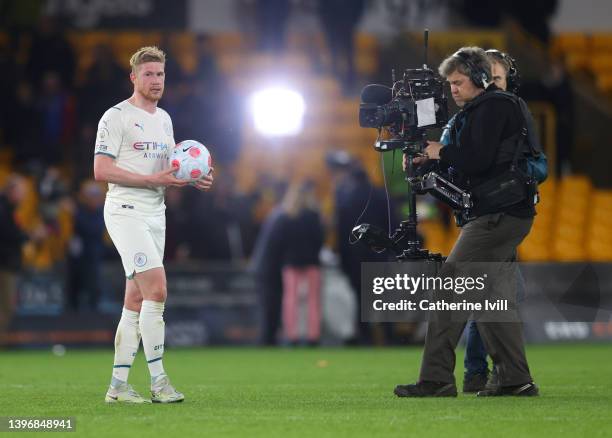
{"points": [[271, 295], [490, 238], [475, 361]]}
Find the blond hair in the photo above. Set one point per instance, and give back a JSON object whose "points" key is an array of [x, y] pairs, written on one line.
{"points": [[147, 54]]}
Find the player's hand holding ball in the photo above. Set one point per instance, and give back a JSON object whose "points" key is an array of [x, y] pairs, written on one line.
{"points": [[205, 183], [190, 161], [166, 178]]}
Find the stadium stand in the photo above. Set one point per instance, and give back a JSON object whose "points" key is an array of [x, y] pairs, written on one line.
{"points": [[573, 221]]}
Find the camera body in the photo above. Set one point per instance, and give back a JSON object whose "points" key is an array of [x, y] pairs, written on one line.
{"points": [[409, 108], [412, 105]]}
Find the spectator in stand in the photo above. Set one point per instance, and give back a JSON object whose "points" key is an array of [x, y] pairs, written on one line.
{"points": [[206, 66], [57, 108], [272, 19], [23, 128], [215, 232], [105, 84], [55, 217], [302, 242], [209, 111], [12, 236], [50, 51], [179, 225], [8, 79], [534, 17], [356, 199], [81, 158], [266, 264], [340, 19], [558, 91], [86, 248]]}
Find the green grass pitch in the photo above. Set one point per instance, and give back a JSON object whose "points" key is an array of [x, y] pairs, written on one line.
{"points": [[308, 392]]}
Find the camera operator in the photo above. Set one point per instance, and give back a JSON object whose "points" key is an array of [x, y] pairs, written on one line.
{"points": [[505, 75], [477, 153]]}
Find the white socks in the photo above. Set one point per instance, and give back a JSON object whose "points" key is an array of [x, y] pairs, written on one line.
{"points": [[127, 340], [152, 328]]}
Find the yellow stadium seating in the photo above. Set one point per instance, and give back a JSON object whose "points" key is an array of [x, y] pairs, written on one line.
{"points": [[602, 41], [574, 221], [571, 42]]}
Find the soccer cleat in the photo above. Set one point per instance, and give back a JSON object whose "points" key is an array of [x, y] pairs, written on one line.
{"points": [[426, 389], [474, 383], [124, 393], [526, 390], [163, 392]]}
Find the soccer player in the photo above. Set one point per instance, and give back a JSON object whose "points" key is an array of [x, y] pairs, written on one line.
{"points": [[131, 154]]}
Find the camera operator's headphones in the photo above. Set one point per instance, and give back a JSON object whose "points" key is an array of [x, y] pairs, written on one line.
{"points": [[480, 77], [512, 76]]}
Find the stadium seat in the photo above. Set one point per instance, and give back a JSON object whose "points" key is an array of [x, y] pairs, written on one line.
{"points": [[448, 42], [599, 234], [366, 63], [537, 245], [604, 81], [227, 42], [325, 87], [576, 61], [434, 235], [306, 41], [572, 213], [601, 63], [229, 63], [346, 111], [602, 41], [183, 47], [570, 42]]}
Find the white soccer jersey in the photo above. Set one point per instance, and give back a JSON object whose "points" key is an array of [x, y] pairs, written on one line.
{"points": [[140, 142]]}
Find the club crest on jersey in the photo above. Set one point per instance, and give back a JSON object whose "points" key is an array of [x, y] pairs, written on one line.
{"points": [[140, 259]]}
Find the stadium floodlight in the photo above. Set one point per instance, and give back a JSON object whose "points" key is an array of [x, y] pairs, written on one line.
{"points": [[277, 112]]}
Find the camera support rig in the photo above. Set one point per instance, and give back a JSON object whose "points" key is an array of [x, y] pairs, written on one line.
{"points": [[412, 144], [382, 106], [404, 241]]}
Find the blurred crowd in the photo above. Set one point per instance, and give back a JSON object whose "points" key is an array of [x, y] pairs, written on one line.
{"points": [[48, 123], [51, 210]]}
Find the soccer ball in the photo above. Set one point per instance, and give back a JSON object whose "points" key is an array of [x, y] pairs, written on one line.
{"points": [[191, 160]]}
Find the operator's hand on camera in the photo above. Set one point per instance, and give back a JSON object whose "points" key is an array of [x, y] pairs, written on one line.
{"points": [[421, 159], [432, 151]]}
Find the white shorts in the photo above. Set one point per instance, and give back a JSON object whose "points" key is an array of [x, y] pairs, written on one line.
{"points": [[139, 238]]}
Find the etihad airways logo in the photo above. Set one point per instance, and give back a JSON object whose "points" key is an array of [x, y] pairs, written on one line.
{"points": [[150, 146], [152, 149]]}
